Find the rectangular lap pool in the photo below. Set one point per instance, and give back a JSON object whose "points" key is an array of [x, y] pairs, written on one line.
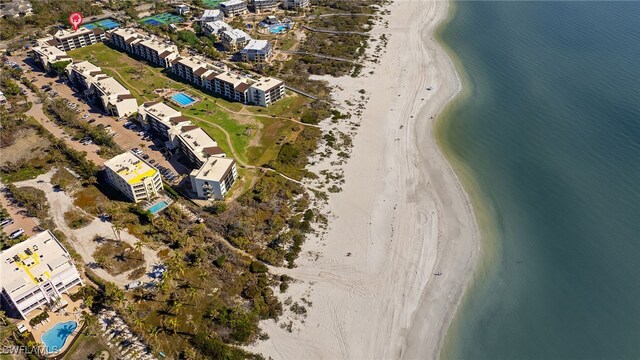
{"points": [[183, 99], [158, 207]]}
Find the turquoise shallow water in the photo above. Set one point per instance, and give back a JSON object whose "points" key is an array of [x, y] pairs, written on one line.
{"points": [[550, 134]]}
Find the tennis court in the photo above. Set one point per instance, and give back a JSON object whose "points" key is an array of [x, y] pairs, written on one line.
{"points": [[106, 24], [211, 4], [162, 19]]}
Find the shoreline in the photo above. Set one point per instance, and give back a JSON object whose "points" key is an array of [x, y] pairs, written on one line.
{"points": [[402, 216]]}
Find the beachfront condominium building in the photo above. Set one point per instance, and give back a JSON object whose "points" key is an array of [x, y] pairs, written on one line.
{"points": [[211, 15], [162, 120], [256, 50], [133, 177], [68, 39], [47, 55], [214, 178], [195, 69], [195, 145], [115, 99], [35, 273], [83, 74], [266, 91], [265, 5], [148, 47], [234, 7], [234, 39], [295, 4], [215, 27]]}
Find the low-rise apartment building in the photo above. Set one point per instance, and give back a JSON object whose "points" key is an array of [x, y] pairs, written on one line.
{"points": [[234, 7], [162, 120], [211, 15], [68, 39], [156, 51], [295, 4], [84, 74], [215, 27], [257, 51], [47, 55], [266, 91], [234, 39], [214, 178], [265, 5], [196, 145], [35, 273], [115, 99], [133, 177]]}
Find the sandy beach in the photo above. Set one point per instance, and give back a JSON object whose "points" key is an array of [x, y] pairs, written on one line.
{"points": [[402, 215]]}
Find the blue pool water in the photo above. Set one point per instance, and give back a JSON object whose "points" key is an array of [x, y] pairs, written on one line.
{"points": [[183, 99], [158, 207], [55, 337], [276, 29]]}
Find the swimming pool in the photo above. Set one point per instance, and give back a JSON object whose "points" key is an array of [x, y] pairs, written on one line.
{"points": [[158, 207], [183, 99], [277, 29], [55, 337]]}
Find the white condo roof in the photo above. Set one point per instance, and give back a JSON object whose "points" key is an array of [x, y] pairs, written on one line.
{"points": [[232, 3], [213, 169], [31, 262], [257, 45]]}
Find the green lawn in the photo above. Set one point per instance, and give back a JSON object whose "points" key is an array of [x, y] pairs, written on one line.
{"points": [[256, 139]]}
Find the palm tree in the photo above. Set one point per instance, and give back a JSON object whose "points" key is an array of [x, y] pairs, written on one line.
{"points": [[88, 301], [3, 318], [90, 321]]}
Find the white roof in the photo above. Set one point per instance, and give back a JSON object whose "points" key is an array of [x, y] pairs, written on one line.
{"points": [[67, 33], [257, 45], [213, 169], [52, 53], [37, 259], [111, 86], [232, 3], [159, 110], [211, 13], [130, 167], [236, 34], [84, 66], [217, 25], [267, 83], [197, 140]]}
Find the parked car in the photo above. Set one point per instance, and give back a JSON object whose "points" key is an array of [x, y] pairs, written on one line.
{"points": [[85, 116], [6, 222], [146, 157], [152, 161], [16, 234], [133, 285]]}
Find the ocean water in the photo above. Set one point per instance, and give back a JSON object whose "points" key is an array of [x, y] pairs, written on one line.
{"points": [[547, 139]]}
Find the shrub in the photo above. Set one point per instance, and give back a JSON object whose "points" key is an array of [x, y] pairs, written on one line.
{"points": [[258, 267]]}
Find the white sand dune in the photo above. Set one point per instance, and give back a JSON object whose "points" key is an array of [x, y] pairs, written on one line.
{"points": [[402, 214]]}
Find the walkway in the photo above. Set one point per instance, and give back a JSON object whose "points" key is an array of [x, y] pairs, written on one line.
{"points": [[82, 239]]}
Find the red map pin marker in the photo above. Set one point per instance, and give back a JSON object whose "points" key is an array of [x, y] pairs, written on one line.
{"points": [[75, 19]]}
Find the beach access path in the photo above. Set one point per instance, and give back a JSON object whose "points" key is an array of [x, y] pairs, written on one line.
{"points": [[401, 218]]}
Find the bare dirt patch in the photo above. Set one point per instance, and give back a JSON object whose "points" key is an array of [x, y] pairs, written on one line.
{"points": [[26, 145], [117, 257]]}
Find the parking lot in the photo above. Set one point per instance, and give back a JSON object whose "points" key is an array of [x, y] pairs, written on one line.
{"points": [[16, 215], [127, 137]]}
